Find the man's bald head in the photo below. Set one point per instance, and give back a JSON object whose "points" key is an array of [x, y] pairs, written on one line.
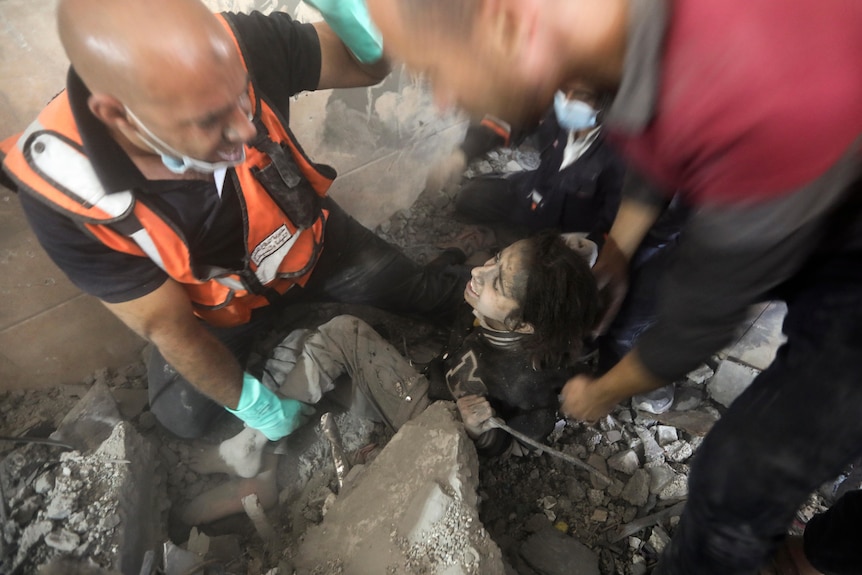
{"points": [[147, 49]]}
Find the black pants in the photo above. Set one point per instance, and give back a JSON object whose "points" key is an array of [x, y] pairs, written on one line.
{"points": [[355, 267], [638, 311], [798, 425], [833, 539]]}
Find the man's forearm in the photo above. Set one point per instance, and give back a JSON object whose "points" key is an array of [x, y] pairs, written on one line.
{"points": [[590, 399], [630, 377], [632, 223], [204, 362]]}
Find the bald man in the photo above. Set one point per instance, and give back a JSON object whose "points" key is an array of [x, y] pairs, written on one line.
{"points": [[165, 181], [754, 111]]}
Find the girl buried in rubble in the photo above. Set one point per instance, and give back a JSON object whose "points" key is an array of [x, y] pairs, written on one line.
{"points": [[533, 303]]}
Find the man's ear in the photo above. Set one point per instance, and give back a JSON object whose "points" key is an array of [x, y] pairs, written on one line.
{"points": [[109, 110]]}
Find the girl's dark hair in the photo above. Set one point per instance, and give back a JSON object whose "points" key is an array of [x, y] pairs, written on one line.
{"points": [[560, 301]]}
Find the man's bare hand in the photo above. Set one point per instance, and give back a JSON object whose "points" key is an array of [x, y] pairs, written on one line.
{"points": [[585, 398], [475, 413], [612, 278]]}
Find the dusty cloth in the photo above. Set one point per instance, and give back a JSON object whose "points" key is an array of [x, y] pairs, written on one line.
{"points": [[308, 364], [494, 363]]}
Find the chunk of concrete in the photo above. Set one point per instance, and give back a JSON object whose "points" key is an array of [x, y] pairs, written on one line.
{"points": [[758, 346], [665, 435], [688, 399], [677, 488], [91, 421], [413, 510], [626, 461], [552, 552], [696, 423], [660, 476], [678, 451], [731, 379], [652, 450], [636, 490], [700, 375]]}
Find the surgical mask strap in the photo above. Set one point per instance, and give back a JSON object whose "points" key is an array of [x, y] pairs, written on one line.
{"points": [[171, 158]]}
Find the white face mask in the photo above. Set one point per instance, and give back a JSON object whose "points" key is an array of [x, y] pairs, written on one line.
{"points": [[175, 161], [573, 114]]}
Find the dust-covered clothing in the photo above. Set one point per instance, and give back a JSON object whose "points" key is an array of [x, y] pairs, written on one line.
{"points": [[494, 363], [308, 364]]}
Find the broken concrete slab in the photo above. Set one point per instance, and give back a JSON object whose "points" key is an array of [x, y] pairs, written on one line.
{"points": [[91, 421], [413, 510], [660, 476], [94, 508], [636, 490], [688, 398], [758, 345], [731, 379], [665, 435], [696, 423], [552, 552], [700, 375], [131, 402], [625, 461]]}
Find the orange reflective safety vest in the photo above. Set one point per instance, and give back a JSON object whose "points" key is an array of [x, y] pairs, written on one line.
{"points": [[280, 191]]}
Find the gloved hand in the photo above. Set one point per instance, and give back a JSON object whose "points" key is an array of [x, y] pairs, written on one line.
{"points": [[475, 413], [260, 408], [350, 20]]}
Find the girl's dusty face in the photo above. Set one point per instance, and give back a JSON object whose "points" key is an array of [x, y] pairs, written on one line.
{"points": [[496, 289]]}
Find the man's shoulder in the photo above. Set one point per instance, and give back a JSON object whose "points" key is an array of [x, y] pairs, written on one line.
{"points": [[282, 54]]}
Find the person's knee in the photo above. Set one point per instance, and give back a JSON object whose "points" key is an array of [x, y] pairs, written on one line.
{"points": [[344, 323], [176, 404]]}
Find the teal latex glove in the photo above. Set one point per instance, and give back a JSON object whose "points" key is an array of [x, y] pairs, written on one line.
{"points": [[350, 20], [260, 408]]}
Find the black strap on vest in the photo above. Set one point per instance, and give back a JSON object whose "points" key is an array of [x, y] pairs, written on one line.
{"points": [[252, 283], [284, 182]]}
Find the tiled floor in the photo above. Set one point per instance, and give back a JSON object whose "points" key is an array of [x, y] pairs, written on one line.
{"points": [[381, 140]]}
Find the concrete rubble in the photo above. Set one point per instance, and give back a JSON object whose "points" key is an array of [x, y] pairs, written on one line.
{"points": [[412, 510], [94, 506]]}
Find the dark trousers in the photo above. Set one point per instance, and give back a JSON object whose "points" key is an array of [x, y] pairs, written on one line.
{"points": [[798, 425], [832, 539], [355, 267], [638, 311]]}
